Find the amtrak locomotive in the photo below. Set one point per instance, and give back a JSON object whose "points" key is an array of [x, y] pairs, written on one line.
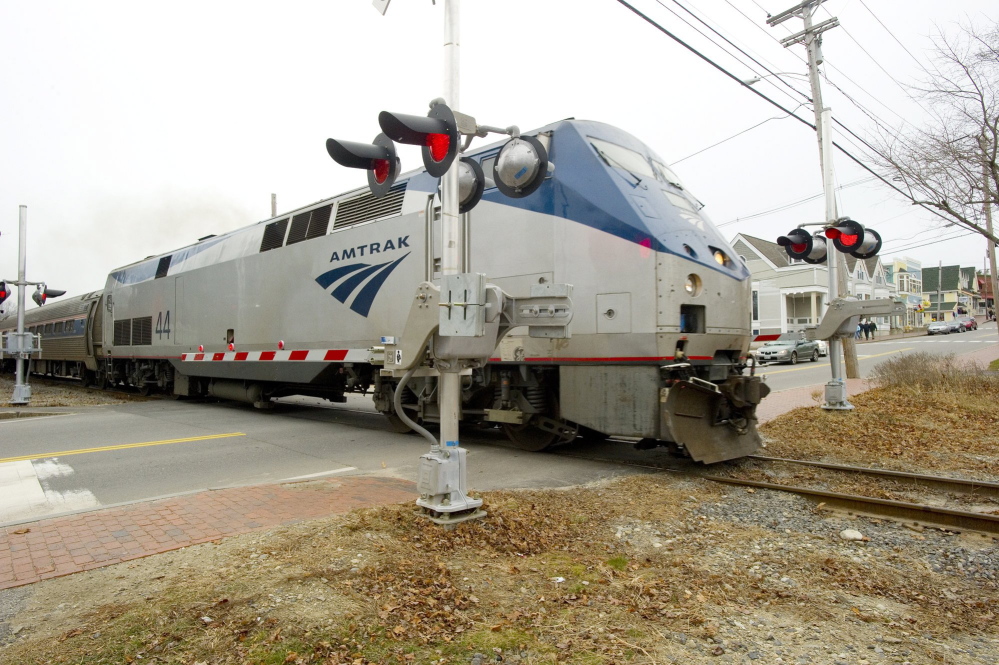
{"points": [[299, 304]]}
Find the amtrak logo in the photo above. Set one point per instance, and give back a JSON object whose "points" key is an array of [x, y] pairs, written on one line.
{"points": [[353, 277]]}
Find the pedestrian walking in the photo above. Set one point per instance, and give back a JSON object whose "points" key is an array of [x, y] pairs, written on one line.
{"points": [[865, 327], [873, 326], [856, 335]]}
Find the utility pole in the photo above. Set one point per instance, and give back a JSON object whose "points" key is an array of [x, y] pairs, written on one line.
{"points": [[811, 37], [993, 278]]}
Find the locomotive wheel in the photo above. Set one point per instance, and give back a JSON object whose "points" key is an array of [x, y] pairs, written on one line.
{"points": [[395, 423], [102, 381], [529, 438], [815, 355], [145, 390], [86, 378]]}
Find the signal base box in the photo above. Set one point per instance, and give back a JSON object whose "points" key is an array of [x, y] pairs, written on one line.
{"points": [[462, 305]]}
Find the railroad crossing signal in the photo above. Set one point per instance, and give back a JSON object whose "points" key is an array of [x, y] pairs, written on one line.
{"points": [[5, 291], [42, 293], [378, 158], [437, 133], [802, 245], [520, 166], [519, 169], [847, 236], [852, 238]]}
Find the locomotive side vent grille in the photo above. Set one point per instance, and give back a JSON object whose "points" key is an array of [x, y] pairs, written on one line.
{"points": [[123, 332], [320, 222], [274, 235], [163, 267], [366, 207], [299, 227], [142, 331]]}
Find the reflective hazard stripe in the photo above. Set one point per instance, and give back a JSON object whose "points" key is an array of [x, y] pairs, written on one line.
{"points": [[308, 355]]}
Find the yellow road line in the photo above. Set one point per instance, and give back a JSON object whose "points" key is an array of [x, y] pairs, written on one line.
{"points": [[81, 451], [813, 365]]}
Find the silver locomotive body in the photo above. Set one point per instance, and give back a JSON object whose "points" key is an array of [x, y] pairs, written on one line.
{"points": [[299, 304]]}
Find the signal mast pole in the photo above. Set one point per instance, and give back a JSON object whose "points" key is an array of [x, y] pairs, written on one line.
{"points": [[452, 239], [835, 395]]}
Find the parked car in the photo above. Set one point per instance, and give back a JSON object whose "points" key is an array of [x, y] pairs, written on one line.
{"points": [[967, 323], [788, 349], [941, 328], [823, 347]]}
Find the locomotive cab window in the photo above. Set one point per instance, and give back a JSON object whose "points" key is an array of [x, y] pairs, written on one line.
{"points": [[623, 158]]}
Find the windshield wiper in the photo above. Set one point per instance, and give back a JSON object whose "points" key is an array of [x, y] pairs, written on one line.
{"points": [[610, 161]]}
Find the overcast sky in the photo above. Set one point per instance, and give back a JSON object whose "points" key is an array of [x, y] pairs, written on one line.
{"points": [[133, 128]]}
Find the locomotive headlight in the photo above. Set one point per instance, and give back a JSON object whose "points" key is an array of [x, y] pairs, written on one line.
{"points": [[693, 285], [720, 257]]}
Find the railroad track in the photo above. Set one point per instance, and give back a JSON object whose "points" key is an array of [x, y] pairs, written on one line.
{"points": [[903, 510]]}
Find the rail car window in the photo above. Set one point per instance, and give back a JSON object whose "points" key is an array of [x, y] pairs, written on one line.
{"points": [[48, 327], [623, 158], [274, 235], [163, 267], [59, 326]]}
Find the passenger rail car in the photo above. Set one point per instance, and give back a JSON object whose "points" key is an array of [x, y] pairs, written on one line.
{"points": [[297, 304]]}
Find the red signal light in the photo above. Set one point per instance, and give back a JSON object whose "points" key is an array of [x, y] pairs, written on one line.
{"points": [[799, 248], [382, 168], [437, 133], [438, 144], [378, 158]]}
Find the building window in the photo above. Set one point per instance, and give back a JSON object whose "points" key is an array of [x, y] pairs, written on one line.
{"points": [[756, 305]]}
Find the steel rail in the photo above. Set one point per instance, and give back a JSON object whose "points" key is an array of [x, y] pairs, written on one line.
{"points": [[979, 487], [882, 507]]}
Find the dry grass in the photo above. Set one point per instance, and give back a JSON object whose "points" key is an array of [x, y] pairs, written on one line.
{"points": [[926, 413], [548, 574]]}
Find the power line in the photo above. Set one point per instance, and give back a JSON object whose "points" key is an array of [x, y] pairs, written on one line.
{"points": [[782, 108], [714, 145], [792, 204], [728, 41], [871, 12]]}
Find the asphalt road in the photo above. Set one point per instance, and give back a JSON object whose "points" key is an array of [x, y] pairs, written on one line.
{"points": [[108, 455], [869, 354]]}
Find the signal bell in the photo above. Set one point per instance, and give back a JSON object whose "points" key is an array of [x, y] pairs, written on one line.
{"points": [[520, 167], [851, 237], [802, 245], [377, 158], [437, 133]]}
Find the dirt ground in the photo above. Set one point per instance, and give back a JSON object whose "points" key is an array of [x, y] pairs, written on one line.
{"points": [[657, 568]]}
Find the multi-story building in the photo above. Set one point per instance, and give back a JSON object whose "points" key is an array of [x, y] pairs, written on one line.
{"points": [[949, 291], [906, 275]]}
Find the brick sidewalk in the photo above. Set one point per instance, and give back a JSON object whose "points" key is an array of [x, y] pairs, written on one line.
{"points": [[70, 544]]}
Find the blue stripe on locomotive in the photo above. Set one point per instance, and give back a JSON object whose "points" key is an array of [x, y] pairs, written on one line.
{"points": [[585, 190]]}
